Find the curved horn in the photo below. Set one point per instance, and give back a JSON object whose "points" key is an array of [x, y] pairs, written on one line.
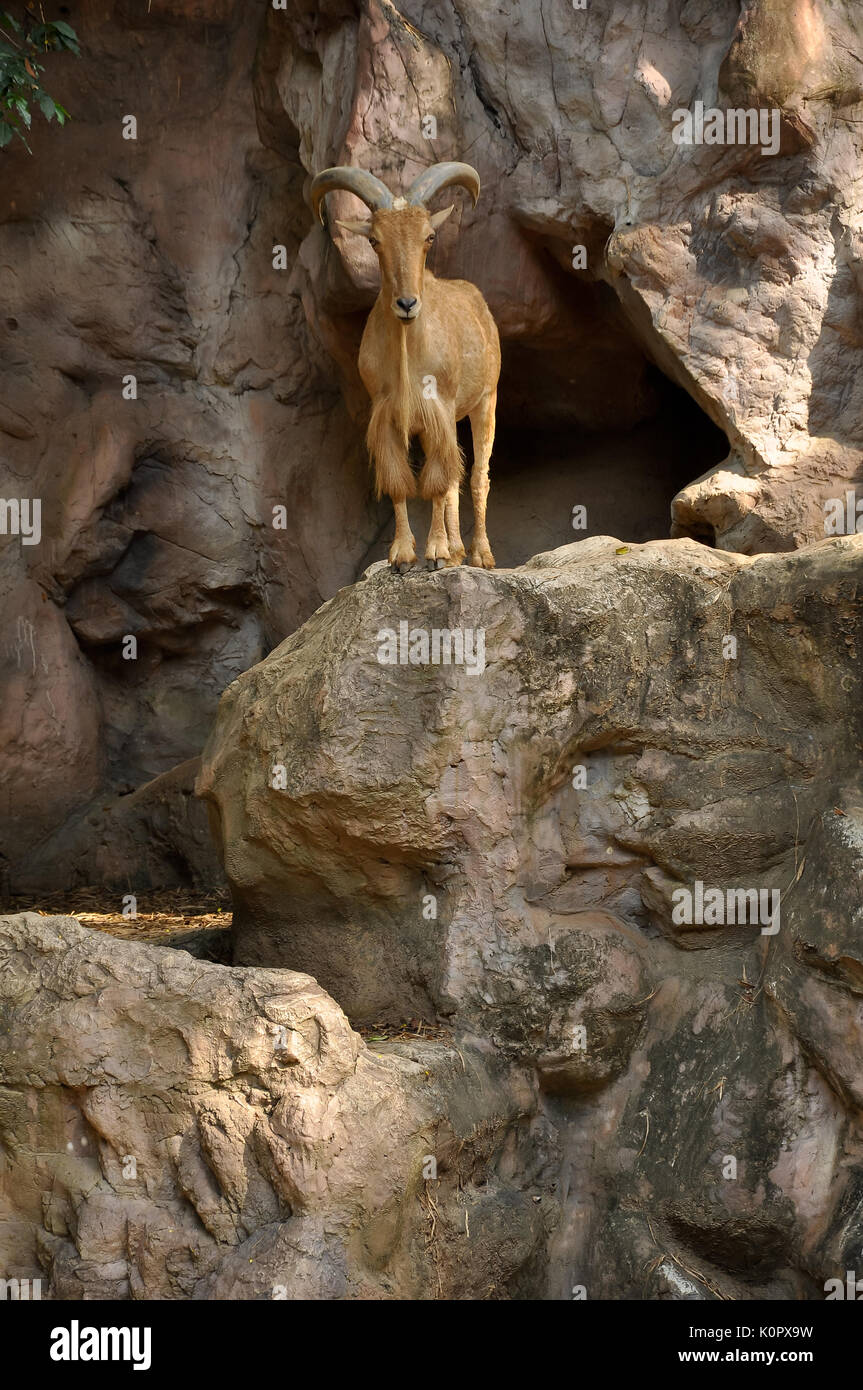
{"points": [[359, 181], [440, 176]]}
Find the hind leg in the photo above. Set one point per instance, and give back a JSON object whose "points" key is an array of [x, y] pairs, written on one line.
{"points": [[482, 429], [453, 531], [437, 545]]}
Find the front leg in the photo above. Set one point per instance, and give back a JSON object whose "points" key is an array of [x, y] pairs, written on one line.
{"points": [[394, 478]]}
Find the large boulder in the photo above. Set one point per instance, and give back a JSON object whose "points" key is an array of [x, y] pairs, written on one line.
{"points": [[521, 842], [392, 820]]}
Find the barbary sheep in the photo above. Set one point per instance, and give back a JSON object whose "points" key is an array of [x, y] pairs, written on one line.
{"points": [[430, 355]]}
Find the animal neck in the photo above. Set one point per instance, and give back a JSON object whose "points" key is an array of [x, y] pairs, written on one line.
{"points": [[406, 339]]}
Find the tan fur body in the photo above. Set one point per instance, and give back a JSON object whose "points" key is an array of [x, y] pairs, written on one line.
{"points": [[455, 342]]}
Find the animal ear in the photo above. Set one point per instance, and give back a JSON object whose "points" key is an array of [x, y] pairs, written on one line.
{"points": [[361, 228], [438, 218]]}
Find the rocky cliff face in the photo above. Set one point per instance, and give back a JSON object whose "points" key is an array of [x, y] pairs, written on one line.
{"points": [[548, 839], [666, 311], [152, 258], [615, 842]]}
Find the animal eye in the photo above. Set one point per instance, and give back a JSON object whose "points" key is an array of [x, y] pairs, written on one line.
{"points": [[430, 237], [373, 241]]}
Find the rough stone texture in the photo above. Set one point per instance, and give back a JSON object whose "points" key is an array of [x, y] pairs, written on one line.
{"points": [[554, 907], [715, 330], [400, 780], [275, 1156], [156, 512], [606, 1063], [155, 837], [738, 274], [732, 276]]}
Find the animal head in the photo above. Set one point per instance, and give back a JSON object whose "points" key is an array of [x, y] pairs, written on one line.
{"points": [[401, 231]]}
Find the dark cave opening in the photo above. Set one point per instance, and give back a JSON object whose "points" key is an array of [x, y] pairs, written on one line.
{"points": [[624, 478]]}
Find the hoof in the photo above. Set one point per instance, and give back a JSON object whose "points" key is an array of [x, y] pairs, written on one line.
{"points": [[403, 568], [482, 559], [435, 564]]}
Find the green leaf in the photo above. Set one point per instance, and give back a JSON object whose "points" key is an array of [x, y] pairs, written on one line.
{"points": [[46, 106], [5, 134], [63, 35]]}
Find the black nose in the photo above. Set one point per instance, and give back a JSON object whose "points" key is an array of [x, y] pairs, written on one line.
{"points": [[406, 305]]}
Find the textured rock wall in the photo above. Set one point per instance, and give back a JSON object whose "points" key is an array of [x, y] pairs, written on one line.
{"points": [[737, 272], [153, 257], [630, 1104], [175, 1129]]}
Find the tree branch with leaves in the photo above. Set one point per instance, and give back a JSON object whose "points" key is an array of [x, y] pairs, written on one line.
{"points": [[23, 44]]}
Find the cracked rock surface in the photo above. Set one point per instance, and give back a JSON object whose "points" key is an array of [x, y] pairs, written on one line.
{"points": [[175, 1129], [642, 1106], [700, 1075]]}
